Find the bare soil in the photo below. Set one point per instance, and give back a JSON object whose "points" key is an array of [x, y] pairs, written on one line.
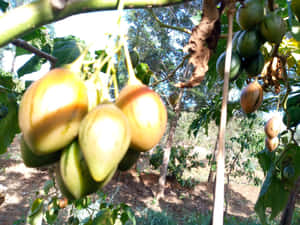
{"points": [[19, 184]]}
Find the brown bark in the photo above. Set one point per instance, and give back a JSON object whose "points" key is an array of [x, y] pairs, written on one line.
{"points": [[287, 215], [202, 42]]}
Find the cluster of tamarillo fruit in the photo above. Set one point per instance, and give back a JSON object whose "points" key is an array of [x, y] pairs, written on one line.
{"points": [[272, 129], [256, 28], [88, 145]]}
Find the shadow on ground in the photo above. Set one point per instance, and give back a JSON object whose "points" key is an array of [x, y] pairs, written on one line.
{"points": [[135, 189]]}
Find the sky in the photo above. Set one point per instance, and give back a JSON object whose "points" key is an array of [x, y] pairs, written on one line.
{"points": [[91, 27]]}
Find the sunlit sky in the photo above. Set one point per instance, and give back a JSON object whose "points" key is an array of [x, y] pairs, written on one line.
{"points": [[91, 27]]}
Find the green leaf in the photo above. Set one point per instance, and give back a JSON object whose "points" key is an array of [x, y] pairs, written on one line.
{"points": [[265, 159], [7, 82], [51, 215], [130, 214], [272, 195], [32, 65], [35, 216], [48, 184], [290, 158], [66, 50], [9, 124], [143, 73], [38, 38], [103, 217], [103, 54], [3, 5]]}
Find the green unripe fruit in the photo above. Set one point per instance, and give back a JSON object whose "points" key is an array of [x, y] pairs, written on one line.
{"points": [[235, 39], [30, 159], [248, 44], [75, 173], [294, 116], [273, 28], [254, 65], [249, 14], [130, 158], [234, 67]]}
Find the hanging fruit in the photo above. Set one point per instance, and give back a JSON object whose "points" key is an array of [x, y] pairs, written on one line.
{"points": [[146, 113], [250, 13], [273, 28], [251, 97], [235, 66], [104, 138], [51, 111], [271, 144], [273, 126]]}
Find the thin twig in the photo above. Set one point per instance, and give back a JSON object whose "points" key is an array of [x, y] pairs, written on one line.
{"points": [[173, 72], [161, 24], [25, 45]]}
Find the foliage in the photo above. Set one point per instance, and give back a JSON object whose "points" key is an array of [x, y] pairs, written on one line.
{"points": [[48, 207], [3, 5], [8, 121], [180, 160], [276, 184], [249, 139]]}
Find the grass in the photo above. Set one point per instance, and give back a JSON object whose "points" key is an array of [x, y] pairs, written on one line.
{"points": [[151, 217]]}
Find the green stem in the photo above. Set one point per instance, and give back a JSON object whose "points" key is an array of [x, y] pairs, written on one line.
{"points": [[20, 20]]}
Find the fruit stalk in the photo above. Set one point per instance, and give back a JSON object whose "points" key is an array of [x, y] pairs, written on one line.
{"points": [[218, 211]]}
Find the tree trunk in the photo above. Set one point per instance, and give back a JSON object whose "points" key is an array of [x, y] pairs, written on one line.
{"points": [[287, 215], [167, 150]]}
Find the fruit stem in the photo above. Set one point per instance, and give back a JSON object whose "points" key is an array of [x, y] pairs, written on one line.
{"points": [[132, 79], [115, 82], [104, 92], [76, 65]]}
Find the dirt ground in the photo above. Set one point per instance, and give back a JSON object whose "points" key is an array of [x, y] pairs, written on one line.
{"points": [[19, 184]]}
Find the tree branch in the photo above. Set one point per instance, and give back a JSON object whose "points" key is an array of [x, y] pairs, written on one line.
{"points": [[173, 72], [25, 45], [20, 20], [161, 24]]}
